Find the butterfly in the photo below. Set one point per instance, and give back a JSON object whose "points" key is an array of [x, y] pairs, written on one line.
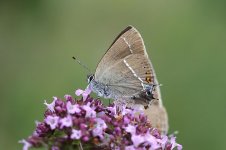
{"points": [[125, 73]]}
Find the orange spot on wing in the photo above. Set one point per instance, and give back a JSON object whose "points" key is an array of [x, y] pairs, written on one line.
{"points": [[148, 79]]}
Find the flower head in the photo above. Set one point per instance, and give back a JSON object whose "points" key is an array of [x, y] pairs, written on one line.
{"points": [[87, 122]]}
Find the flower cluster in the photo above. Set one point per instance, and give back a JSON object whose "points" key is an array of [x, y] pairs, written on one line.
{"points": [[88, 124]]}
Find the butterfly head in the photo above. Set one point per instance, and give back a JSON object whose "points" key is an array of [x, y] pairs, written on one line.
{"points": [[90, 78]]}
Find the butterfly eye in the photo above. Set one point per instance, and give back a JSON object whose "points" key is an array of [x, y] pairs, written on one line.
{"points": [[90, 78]]}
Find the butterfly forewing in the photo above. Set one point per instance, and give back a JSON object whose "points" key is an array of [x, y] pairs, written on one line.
{"points": [[126, 65], [128, 42], [140, 66]]}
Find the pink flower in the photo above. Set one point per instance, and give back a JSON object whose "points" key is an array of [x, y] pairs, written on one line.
{"points": [[98, 132], [179, 147], [137, 139], [72, 108], [125, 110], [131, 147], [131, 129], [163, 141], [55, 148], [83, 93], [68, 97], [112, 110], [126, 120], [51, 105], [100, 123], [174, 144], [151, 140], [90, 113], [88, 121], [66, 122], [52, 121], [26, 146], [76, 134]]}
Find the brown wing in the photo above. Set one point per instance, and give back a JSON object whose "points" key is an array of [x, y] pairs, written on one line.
{"points": [[157, 116], [156, 112], [128, 42], [125, 67]]}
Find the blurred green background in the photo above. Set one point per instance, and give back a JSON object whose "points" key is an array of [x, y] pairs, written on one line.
{"points": [[186, 41]]}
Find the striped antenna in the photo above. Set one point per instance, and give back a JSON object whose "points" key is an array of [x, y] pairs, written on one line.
{"points": [[83, 65]]}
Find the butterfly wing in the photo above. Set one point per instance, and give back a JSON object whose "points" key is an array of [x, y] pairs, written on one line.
{"points": [[157, 115], [128, 42], [126, 68]]}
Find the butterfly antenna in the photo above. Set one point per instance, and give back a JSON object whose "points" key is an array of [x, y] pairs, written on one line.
{"points": [[83, 65]]}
